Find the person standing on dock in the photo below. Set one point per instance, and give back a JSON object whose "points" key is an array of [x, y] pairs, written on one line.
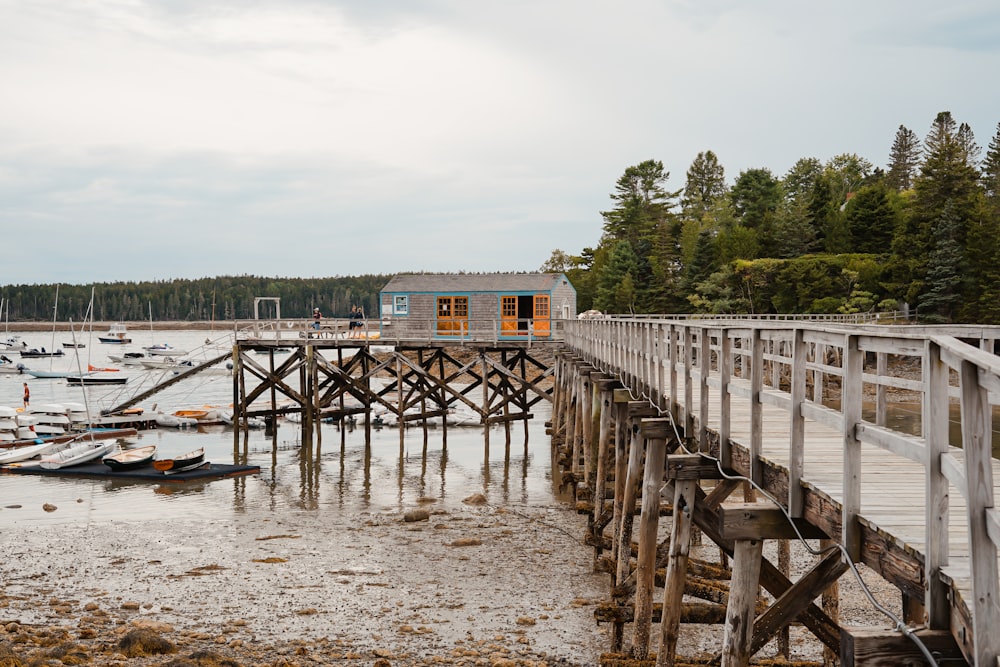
{"points": [[317, 316], [357, 321], [27, 395]]}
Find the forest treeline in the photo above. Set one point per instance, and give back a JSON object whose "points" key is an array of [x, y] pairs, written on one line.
{"points": [[922, 234], [205, 299]]}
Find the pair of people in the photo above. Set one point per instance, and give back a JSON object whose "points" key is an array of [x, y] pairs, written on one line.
{"points": [[357, 322]]}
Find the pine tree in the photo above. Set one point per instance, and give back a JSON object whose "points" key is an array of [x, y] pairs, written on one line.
{"points": [[967, 140], [991, 171], [945, 268], [871, 219], [705, 185], [612, 283], [904, 159]]}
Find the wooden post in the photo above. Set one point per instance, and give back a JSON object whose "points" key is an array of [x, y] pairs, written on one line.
{"points": [[796, 447], [603, 440], [851, 409], [742, 603], [977, 427], [620, 399], [673, 589], [935, 431], [654, 432], [756, 407]]}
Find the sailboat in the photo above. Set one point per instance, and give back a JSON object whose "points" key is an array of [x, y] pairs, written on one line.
{"points": [[160, 349], [49, 374]]}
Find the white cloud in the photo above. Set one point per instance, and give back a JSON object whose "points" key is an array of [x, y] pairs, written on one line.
{"points": [[435, 135]]}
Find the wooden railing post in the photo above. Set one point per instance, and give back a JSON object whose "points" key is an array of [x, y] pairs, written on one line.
{"points": [[756, 408], [935, 431], [705, 354], [851, 385], [977, 427], [796, 450]]}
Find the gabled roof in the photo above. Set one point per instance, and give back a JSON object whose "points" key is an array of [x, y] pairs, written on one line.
{"points": [[473, 282]]}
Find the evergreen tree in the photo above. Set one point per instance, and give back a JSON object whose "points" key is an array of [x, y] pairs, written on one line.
{"points": [[615, 283], [756, 196], [970, 148], [904, 159], [991, 171], [871, 219], [704, 263], [705, 185], [943, 295]]}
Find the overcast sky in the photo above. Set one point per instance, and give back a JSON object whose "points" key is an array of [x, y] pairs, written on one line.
{"points": [[160, 139]]}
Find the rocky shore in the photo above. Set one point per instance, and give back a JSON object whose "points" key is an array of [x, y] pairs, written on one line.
{"points": [[471, 585]]}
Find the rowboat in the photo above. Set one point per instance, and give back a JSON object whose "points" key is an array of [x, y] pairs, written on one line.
{"points": [[97, 379], [129, 459], [188, 461], [77, 454], [25, 452]]}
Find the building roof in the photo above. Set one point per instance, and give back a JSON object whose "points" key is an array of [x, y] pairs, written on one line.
{"points": [[474, 282]]}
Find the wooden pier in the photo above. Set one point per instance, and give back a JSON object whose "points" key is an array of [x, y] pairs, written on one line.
{"points": [[658, 422], [335, 378]]}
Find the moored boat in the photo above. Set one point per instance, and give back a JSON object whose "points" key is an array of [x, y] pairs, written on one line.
{"points": [[128, 359], [130, 459], [35, 353], [188, 461], [97, 379], [117, 334], [164, 349], [77, 454], [30, 451], [7, 365]]}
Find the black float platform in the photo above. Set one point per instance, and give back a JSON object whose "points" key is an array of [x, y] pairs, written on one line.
{"points": [[99, 470]]}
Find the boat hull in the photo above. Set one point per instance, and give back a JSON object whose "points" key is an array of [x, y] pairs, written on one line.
{"points": [[130, 459]]}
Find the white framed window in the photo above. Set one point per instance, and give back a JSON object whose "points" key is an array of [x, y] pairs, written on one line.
{"points": [[401, 304]]}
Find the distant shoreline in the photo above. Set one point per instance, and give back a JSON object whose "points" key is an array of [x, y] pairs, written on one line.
{"points": [[166, 325]]}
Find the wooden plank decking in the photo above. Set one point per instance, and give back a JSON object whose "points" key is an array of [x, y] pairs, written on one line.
{"points": [[705, 374]]}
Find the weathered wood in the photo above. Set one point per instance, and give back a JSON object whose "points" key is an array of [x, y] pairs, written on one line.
{"points": [[646, 565], [692, 466], [797, 598], [754, 521], [868, 647], [690, 612], [935, 420], [742, 600], [673, 590], [851, 408], [977, 427]]}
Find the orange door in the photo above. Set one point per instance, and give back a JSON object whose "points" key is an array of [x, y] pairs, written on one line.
{"points": [[452, 315], [508, 315], [542, 315]]}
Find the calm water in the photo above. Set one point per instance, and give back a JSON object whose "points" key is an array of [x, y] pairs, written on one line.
{"points": [[338, 472]]}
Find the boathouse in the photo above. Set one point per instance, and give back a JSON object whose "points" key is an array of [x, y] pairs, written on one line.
{"points": [[503, 306]]}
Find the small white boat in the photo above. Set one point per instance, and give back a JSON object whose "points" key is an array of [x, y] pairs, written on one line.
{"points": [[9, 366], [174, 421], [26, 452], [164, 349], [130, 459], [51, 419], [77, 454], [117, 334], [128, 358], [54, 375], [166, 363]]}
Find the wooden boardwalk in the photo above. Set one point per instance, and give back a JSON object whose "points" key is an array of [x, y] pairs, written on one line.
{"points": [[818, 395]]}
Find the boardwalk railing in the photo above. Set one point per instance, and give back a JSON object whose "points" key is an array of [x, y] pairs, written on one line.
{"points": [[838, 378], [398, 330]]}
